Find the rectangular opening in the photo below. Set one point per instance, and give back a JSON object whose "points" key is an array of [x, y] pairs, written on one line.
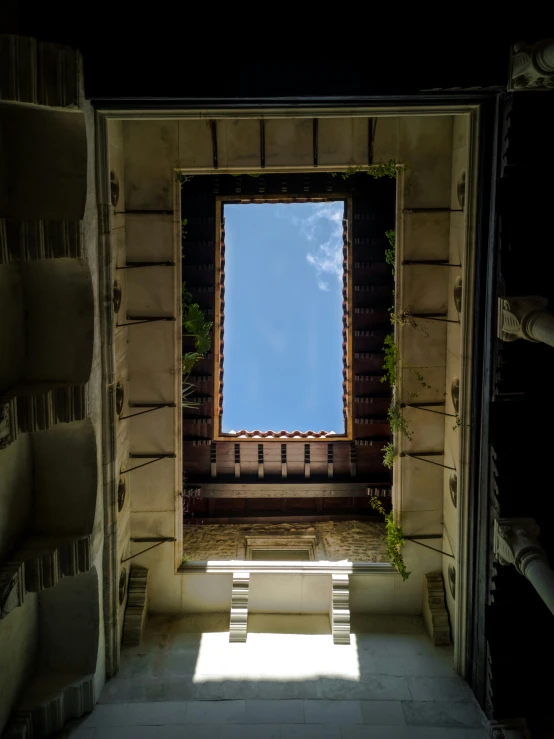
{"points": [[284, 356], [281, 555]]}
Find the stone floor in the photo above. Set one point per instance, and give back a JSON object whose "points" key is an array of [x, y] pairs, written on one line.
{"points": [[288, 681]]}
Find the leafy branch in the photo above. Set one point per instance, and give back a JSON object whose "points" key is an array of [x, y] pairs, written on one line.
{"points": [[390, 254], [395, 539], [389, 455], [392, 355], [182, 178], [386, 169], [398, 423], [403, 317], [196, 327]]}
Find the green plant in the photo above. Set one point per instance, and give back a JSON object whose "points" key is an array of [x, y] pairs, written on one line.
{"points": [[386, 169], [395, 539], [404, 318], [390, 361], [348, 172], [196, 327], [389, 455], [185, 559], [398, 423], [194, 324], [182, 178], [390, 254], [184, 223], [458, 422]]}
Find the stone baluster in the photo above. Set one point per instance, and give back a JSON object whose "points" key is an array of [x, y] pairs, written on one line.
{"points": [[238, 627], [525, 318], [340, 609], [515, 542]]}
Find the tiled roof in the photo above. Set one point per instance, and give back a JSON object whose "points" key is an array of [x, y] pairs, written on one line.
{"points": [[280, 434]]}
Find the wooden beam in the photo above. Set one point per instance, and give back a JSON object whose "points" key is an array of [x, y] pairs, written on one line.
{"points": [[237, 460], [284, 461], [307, 461], [207, 520], [213, 460], [353, 460], [327, 489], [371, 123], [330, 462], [262, 143], [213, 128], [260, 461]]}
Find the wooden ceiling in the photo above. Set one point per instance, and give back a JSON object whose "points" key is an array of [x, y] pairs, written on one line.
{"points": [[274, 473]]}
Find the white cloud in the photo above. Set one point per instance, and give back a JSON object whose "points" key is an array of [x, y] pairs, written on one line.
{"points": [[327, 258]]}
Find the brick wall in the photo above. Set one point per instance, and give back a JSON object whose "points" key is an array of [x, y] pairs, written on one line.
{"points": [[355, 541]]}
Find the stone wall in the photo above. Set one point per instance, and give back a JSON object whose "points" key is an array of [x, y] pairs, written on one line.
{"points": [[355, 541]]}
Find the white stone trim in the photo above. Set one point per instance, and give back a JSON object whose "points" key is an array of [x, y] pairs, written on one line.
{"points": [[294, 568]]}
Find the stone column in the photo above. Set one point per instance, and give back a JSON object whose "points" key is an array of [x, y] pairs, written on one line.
{"points": [[525, 318], [512, 728], [515, 542]]}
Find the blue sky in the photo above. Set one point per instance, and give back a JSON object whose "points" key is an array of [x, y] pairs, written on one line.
{"points": [[283, 317]]}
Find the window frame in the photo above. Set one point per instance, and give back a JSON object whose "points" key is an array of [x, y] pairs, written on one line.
{"points": [[219, 292]]}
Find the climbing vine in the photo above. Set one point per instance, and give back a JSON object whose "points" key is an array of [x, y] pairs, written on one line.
{"points": [[395, 539], [398, 423]]}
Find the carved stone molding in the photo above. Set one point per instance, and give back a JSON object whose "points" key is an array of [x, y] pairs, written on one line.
{"points": [[47, 717], [513, 728], [532, 66], [238, 626], [12, 588], [8, 424], [340, 609], [525, 318], [136, 612], [40, 411], [39, 564], [435, 614]]}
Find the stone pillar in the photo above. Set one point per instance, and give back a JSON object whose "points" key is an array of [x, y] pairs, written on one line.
{"points": [[525, 318], [340, 609], [515, 542], [238, 626], [512, 728]]}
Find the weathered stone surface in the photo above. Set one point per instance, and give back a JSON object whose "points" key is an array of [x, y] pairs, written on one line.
{"points": [[357, 541], [435, 614], [136, 612]]}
